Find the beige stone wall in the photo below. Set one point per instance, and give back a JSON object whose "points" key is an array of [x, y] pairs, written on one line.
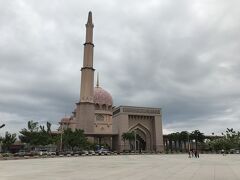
{"points": [[103, 126], [85, 117], [149, 120], [73, 124], [146, 121], [159, 133], [120, 125]]}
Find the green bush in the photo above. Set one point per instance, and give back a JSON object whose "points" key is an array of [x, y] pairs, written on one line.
{"points": [[7, 155]]}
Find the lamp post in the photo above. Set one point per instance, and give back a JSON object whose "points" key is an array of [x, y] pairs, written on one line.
{"points": [[2, 126], [0, 140], [61, 138], [189, 145], [135, 139]]}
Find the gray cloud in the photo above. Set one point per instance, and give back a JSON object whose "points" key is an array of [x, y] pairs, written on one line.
{"points": [[182, 56]]}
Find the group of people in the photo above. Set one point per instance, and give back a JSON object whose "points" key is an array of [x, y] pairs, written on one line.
{"points": [[193, 153]]}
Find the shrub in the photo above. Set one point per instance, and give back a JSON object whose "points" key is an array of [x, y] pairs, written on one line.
{"points": [[7, 155]]}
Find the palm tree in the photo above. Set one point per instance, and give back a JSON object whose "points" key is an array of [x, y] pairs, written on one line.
{"points": [[8, 140], [184, 137], [170, 139], [178, 139], [130, 136], [124, 138], [49, 127], [32, 126], [198, 137], [175, 137]]}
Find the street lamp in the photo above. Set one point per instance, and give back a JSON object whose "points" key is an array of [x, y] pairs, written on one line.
{"points": [[135, 141], [1, 141], [2, 126], [61, 137], [188, 145]]}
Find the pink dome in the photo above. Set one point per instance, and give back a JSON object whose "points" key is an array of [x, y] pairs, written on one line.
{"points": [[101, 96]]}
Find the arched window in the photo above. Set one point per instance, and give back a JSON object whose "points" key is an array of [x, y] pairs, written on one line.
{"points": [[97, 106], [104, 107]]}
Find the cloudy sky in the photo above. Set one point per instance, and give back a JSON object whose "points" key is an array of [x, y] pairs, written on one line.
{"points": [[182, 56]]}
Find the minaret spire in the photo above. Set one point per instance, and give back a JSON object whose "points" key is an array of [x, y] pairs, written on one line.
{"points": [[89, 18], [85, 111], [89, 28], [87, 78]]}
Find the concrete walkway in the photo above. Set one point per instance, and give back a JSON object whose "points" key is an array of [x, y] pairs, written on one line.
{"points": [[124, 167]]}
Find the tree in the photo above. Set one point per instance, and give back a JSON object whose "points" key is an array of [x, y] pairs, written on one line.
{"points": [[124, 138], [28, 135], [229, 140], [130, 137], [49, 125], [74, 139], [36, 135], [174, 137], [8, 140], [198, 137], [44, 136], [32, 126], [177, 139], [184, 135], [170, 139]]}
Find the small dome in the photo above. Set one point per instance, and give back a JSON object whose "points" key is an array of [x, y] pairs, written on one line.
{"points": [[65, 120], [101, 96]]}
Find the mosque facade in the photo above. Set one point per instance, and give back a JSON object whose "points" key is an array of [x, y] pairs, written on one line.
{"points": [[101, 121]]}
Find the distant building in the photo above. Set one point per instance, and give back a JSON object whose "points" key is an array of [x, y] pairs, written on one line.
{"points": [[104, 124]]}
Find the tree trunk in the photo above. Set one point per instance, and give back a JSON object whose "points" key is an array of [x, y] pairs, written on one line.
{"points": [[185, 145], [171, 145], [175, 145], [166, 143], [196, 145], [180, 145]]}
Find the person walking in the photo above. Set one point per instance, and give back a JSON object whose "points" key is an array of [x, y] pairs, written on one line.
{"points": [[189, 154], [192, 152], [195, 153]]}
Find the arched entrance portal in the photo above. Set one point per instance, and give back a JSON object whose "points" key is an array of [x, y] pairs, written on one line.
{"points": [[143, 138]]}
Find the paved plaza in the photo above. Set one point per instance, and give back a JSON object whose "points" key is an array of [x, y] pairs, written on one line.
{"points": [[124, 167]]}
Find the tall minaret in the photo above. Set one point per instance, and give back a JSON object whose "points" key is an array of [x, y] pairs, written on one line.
{"points": [[85, 108], [87, 78]]}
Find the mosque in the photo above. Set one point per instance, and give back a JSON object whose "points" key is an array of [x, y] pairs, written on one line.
{"points": [[101, 121]]}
